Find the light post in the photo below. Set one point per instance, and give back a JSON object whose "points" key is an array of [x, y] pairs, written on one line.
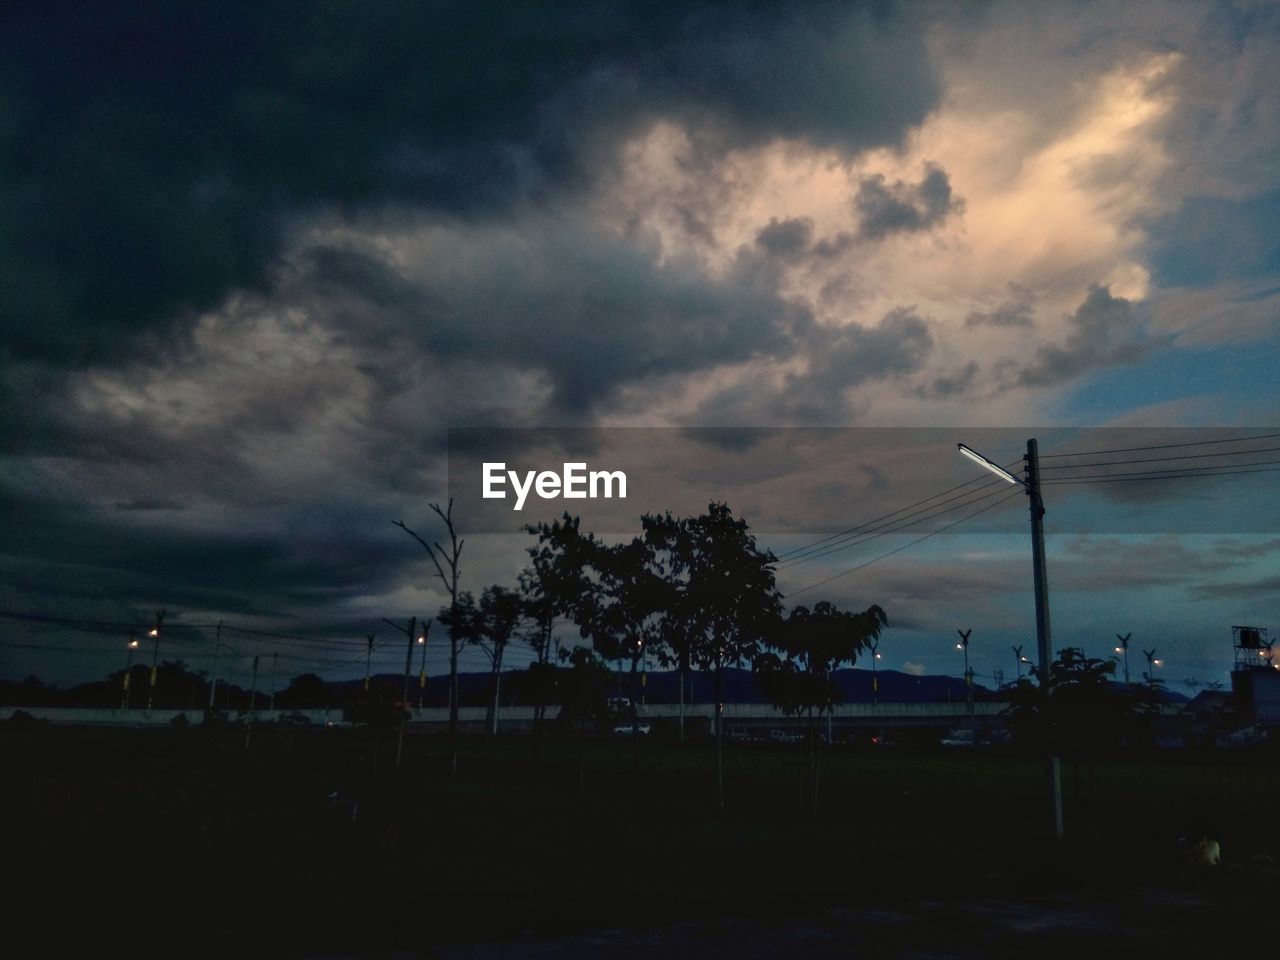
{"points": [[408, 664], [154, 633], [131, 646], [1152, 662], [875, 679], [968, 674], [1031, 485], [1124, 649], [422, 673], [1019, 660]]}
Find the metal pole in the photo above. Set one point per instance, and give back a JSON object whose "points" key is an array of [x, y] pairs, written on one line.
{"points": [[217, 646], [404, 696], [1124, 649], [1043, 635], [128, 668], [422, 674], [275, 656], [155, 660]]}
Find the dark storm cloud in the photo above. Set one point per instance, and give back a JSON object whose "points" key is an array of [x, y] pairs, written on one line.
{"points": [[300, 559], [1105, 331], [899, 207], [844, 357], [152, 151], [948, 385], [587, 308], [785, 238]]}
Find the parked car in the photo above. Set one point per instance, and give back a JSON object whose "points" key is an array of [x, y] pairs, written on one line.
{"points": [[1246, 736], [959, 738], [641, 727]]}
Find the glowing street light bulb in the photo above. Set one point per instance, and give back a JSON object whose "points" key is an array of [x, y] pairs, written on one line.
{"points": [[986, 464], [422, 639], [959, 646], [133, 644], [153, 632]]}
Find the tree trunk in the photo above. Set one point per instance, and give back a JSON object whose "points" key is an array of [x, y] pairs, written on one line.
{"points": [[497, 687], [635, 719], [453, 701], [813, 766], [680, 675], [719, 710]]}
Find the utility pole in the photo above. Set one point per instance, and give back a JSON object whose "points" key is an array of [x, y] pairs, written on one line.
{"points": [[1019, 660], [1124, 648], [368, 661], [271, 705], [155, 659], [1044, 645], [253, 696], [217, 647]]}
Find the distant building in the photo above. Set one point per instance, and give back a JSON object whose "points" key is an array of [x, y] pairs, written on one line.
{"points": [[1255, 677]]}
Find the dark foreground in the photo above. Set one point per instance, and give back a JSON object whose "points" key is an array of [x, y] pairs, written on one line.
{"points": [[183, 843]]}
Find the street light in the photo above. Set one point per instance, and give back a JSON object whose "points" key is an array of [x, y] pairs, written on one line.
{"points": [[1152, 662], [968, 674], [1031, 485], [128, 668], [875, 678], [154, 632], [1124, 648], [422, 674]]}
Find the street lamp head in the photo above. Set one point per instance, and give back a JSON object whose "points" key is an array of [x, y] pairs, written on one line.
{"points": [[422, 639], [986, 464], [133, 644], [153, 632], [1118, 650], [1156, 661], [959, 646]]}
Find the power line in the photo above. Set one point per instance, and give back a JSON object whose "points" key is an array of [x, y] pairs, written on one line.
{"points": [[1191, 473], [789, 555], [1184, 456], [1159, 446], [899, 525], [906, 546]]}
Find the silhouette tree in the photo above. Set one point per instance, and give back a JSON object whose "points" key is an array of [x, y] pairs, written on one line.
{"points": [[1082, 711], [498, 617], [731, 602], [796, 672], [614, 594]]}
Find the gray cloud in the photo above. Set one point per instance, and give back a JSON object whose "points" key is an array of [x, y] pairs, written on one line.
{"points": [[900, 207], [1017, 311], [839, 358], [948, 385], [785, 238], [1105, 331]]}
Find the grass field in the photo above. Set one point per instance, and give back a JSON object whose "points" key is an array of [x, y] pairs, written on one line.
{"points": [[313, 842]]}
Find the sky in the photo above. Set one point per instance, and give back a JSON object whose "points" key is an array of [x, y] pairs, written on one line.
{"points": [[258, 260]]}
